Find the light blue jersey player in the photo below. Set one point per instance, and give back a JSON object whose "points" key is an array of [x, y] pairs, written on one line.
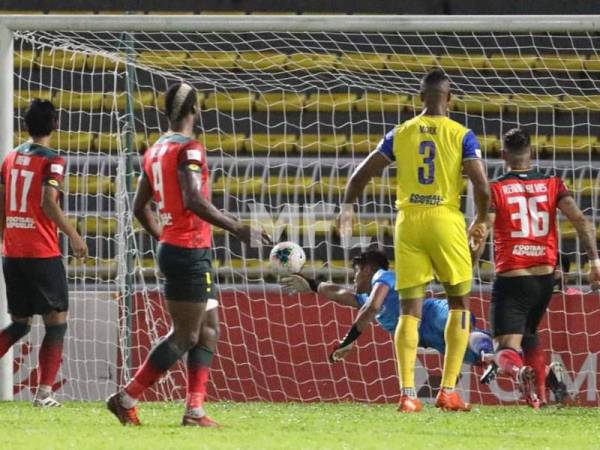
{"points": [[374, 293]]}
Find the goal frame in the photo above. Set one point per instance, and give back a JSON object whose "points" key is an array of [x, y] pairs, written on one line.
{"points": [[258, 23]]}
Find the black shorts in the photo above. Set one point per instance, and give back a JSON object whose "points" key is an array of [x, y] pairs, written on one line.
{"points": [[519, 303], [187, 273], [35, 285]]}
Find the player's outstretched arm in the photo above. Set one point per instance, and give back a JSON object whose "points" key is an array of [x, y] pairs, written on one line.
{"points": [[190, 182], [585, 233], [365, 317], [299, 284], [475, 171], [52, 209], [142, 210]]}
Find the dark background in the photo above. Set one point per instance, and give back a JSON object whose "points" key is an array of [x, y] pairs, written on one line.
{"points": [[318, 6]]}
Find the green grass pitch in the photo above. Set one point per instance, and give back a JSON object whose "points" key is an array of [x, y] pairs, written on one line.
{"points": [[253, 425]]}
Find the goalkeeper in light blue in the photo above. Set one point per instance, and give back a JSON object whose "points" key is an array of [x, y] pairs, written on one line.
{"points": [[375, 295]]}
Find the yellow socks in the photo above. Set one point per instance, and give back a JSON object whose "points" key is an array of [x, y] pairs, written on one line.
{"points": [[406, 339], [457, 338]]}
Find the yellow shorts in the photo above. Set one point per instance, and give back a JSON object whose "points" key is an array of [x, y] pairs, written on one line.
{"points": [[430, 241]]}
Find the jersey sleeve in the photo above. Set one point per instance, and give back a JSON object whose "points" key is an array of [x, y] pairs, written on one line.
{"points": [[386, 145], [190, 156], [384, 277], [2, 170], [562, 190], [471, 149], [493, 206], [54, 172]]}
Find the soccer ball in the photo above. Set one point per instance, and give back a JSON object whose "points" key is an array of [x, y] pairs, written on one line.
{"points": [[287, 258]]}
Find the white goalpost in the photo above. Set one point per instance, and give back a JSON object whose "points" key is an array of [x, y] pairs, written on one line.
{"points": [[289, 106]]}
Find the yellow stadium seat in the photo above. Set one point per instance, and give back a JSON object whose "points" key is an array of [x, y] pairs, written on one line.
{"points": [[289, 185], [560, 62], [312, 61], [141, 99], [229, 143], [363, 143], [331, 185], [235, 186], [229, 101], [166, 59], [463, 62], [378, 101], [539, 141], [89, 184], [489, 142], [270, 142], [567, 230], [72, 141], [23, 59], [328, 102], [22, 98], [59, 59], [573, 144], [532, 102], [268, 61], [111, 143], [510, 62], [480, 103], [211, 60], [361, 62], [99, 226], [380, 186], [322, 143], [78, 101], [411, 63], [20, 137], [101, 63], [280, 101], [592, 64], [371, 228], [591, 102]]}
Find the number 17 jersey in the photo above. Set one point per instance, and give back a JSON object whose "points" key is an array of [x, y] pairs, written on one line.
{"points": [[429, 152]]}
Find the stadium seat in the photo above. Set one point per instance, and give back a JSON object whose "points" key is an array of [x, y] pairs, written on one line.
{"points": [[238, 186], [141, 99], [592, 64], [361, 62], [59, 59], [539, 142], [329, 102], [280, 102], [162, 58], [574, 102], [363, 143], [290, 185], [228, 143], [560, 62], [99, 226], [267, 61], [378, 101], [489, 142], [100, 63], [22, 98], [111, 143], [507, 62], [269, 142], [23, 59], [573, 144], [229, 101], [89, 184], [414, 103], [371, 228], [463, 62], [316, 62], [211, 60], [567, 230], [80, 141], [410, 63], [321, 143], [480, 103], [532, 102], [585, 186], [78, 101], [331, 185], [381, 186], [20, 137]]}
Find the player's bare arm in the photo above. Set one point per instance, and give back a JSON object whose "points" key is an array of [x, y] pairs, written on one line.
{"points": [[475, 171], [191, 182], [142, 210], [365, 316], [585, 233], [54, 212], [299, 284]]}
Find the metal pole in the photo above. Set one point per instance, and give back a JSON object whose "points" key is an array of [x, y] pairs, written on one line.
{"points": [[6, 143]]}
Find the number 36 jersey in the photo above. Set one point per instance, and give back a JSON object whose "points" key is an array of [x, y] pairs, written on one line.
{"points": [[525, 204], [429, 152], [28, 232], [162, 161]]}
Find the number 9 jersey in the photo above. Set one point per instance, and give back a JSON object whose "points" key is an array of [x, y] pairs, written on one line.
{"points": [[525, 205]]}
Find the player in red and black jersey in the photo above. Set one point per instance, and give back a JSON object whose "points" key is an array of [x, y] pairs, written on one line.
{"points": [[524, 210], [36, 283], [175, 176]]}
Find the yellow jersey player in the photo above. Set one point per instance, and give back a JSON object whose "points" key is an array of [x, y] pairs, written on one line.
{"points": [[431, 152]]}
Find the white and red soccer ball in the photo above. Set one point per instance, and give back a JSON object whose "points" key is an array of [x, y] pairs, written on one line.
{"points": [[287, 258]]}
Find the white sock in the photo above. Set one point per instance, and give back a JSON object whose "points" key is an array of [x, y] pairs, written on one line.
{"points": [[195, 412], [409, 392], [127, 401], [43, 391]]}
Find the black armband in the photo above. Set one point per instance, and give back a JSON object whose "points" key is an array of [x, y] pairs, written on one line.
{"points": [[352, 335]]}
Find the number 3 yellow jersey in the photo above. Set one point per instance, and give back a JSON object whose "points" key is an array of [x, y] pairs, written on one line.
{"points": [[429, 152]]}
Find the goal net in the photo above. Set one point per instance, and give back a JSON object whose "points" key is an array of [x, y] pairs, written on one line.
{"points": [[286, 117]]}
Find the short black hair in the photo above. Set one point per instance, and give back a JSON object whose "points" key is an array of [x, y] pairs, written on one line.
{"points": [[40, 118], [434, 77], [516, 141], [180, 100], [373, 258]]}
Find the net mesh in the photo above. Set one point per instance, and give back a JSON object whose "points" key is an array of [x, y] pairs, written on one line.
{"points": [[285, 118]]}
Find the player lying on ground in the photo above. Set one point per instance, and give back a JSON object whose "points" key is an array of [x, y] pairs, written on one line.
{"points": [[524, 207], [36, 282], [175, 175], [432, 152], [374, 293]]}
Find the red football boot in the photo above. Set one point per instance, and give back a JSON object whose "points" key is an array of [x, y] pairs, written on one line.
{"points": [[127, 416], [409, 404], [451, 401]]}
